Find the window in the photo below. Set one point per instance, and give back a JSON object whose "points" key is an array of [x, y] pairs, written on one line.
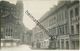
{"points": [[63, 29], [72, 29], [58, 44], [67, 44], [62, 15], [71, 13], [58, 18], [58, 31], [62, 43], [77, 28], [73, 44], [54, 31], [77, 44], [76, 11], [66, 28], [11, 30]]}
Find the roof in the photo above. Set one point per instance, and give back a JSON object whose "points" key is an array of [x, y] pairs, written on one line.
{"points": [[6, 4], [53, 10]]}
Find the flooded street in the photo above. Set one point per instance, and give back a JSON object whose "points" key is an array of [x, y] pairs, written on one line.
{"points": [[17, 48]]}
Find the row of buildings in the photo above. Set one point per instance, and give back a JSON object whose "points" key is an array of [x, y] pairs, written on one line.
{"points": [[63, 23], [11, 17]]}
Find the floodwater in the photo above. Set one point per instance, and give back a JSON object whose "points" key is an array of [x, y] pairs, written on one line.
{"points": [[19, 48]]}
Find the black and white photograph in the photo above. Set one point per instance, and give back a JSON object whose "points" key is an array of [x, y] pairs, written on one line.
{"points": [[39, 25]]}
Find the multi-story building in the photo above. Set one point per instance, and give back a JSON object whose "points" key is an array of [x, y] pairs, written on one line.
{"points": [[62, 22], [19, 13], [27, 37], [11, 20], [73, 14], [38, 39], [7, 18]]}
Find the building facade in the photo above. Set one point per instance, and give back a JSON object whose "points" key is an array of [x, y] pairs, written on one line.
{"points": [[62, 22], [38, 39], [73, 13], [27, 37], [11, 20]]}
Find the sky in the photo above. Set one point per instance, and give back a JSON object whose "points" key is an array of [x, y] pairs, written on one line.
{"points": [[37, 8]]}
